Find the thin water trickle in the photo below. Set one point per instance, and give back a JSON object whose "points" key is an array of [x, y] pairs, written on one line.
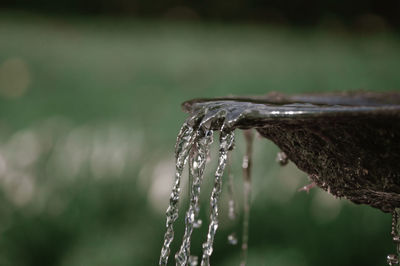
{"points": [[226, 143], [393, 259], [232, 239], [246, 165], [231, 202]]}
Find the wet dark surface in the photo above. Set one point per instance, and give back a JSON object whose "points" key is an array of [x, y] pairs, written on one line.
{"points": [[349, 143]]}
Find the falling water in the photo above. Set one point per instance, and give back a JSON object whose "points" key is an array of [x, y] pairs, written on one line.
{"points": [[197, 163], [246, 165], [193, 142], [232, 239], [393, 259], [226, 143], [231, 202], [184, 142]]}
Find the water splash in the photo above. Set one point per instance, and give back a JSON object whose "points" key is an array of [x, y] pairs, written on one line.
{"points": [[246, 166], [226, 143], [197, 164]]}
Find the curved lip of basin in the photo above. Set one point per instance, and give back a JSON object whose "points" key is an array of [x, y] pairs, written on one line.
{"points": [[269, 110], [278, 106]]}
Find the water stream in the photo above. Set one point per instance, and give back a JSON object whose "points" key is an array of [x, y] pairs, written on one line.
{"points": [[197, 163], [193, 146], [226, 142], [232, 238], [185, 140]]}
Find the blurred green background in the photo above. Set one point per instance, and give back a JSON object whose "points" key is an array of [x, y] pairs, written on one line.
{"points": [[90, 110]]}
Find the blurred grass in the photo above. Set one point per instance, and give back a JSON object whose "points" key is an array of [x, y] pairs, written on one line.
{"points": [[86, 149]]}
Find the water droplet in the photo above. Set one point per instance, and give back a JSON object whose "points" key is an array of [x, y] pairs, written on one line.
{"points": [[392, 259], [245, 163], [282, 158], [308, 187], [231, 214], [232, 239], [197, 223], [193, 260]]}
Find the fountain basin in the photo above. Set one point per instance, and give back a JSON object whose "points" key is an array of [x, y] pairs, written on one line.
{"points": [[348, 143]]}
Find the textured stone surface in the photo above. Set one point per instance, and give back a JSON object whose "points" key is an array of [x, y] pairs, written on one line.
{"points": [[353, 157]]}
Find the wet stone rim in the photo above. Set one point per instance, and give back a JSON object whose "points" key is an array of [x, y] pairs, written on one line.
{"points": [[348, 143]]}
